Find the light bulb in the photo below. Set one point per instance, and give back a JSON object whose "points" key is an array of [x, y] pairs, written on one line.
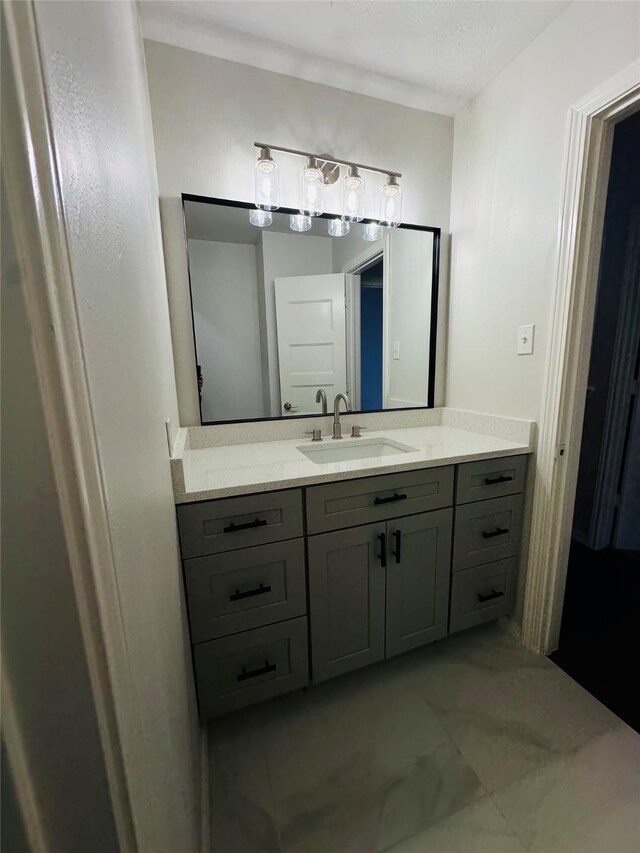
{"points": [[353, 196], [261, 218], [267, 195], [338, 228], [372, 231], [311, 189], [299, 222], [391, 203]]}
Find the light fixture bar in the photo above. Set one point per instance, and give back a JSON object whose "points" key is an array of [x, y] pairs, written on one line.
{"points": [[324, 158]]}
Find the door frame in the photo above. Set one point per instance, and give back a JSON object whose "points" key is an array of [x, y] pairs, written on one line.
{"points": [[352, 271], [33, 190], [591, 124]]}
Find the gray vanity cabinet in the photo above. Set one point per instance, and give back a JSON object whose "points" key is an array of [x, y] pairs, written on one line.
{"points": [[347, 592], [383, 564], [378, 590], [245, 581], [487, 540], [417, 580]]}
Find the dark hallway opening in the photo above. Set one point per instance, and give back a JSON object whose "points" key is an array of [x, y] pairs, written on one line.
{"points": [[599, 637]]}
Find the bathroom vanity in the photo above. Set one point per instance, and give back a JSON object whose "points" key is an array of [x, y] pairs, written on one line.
{"points": [[365, 558]]}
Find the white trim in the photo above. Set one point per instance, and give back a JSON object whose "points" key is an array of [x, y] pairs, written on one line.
{"points": [[386, 318], [352, 297], [352, 270], [40, 234], [587, 159]]}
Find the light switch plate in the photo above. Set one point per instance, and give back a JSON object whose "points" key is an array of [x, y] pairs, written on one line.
{"points": [[525, 339], [396, 350]]}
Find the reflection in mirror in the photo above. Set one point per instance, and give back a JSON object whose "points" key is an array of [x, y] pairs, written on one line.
{"points": [[281, 316]]}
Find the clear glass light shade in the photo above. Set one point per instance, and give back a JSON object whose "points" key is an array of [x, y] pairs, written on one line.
{"points": [[338, 228], [311, 189], [353, 197], [391, 204], [261, 218], [372, 231], [299, 222], [267, 190]]}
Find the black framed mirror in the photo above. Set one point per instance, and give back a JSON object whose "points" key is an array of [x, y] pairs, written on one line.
{"points": [[285, 319]]}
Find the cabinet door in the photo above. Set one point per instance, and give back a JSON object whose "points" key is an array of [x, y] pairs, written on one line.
{"points": [[418, 576], [346, 599]]}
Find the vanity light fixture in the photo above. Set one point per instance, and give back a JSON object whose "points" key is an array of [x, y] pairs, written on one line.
{"points": [[372, 231], [261, 218], [353, 196], [322, 170], [299, 222], [338, 228], [311, 188], [391, 203], [267, 190]]}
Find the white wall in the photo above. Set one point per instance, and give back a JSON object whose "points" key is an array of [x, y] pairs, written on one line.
{"points": [[224, 286], [408, 313], [352, 249], [507, 184], [285, 255], [208, 112], [94, 72]]}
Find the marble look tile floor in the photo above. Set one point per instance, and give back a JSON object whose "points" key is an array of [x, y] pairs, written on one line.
{"points": [[473, 744]]}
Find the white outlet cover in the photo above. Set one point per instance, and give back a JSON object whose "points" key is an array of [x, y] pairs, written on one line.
{"points": [[525, 339]]}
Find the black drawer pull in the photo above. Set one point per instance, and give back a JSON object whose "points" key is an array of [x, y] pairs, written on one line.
{"points": [[391, 499], [499, 531], [268, 667], [490, 596], [233, 528], [382, 556], [237, 596], [397, 534], [501, 479]]}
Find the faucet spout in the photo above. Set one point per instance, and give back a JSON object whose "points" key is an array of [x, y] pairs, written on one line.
{"points": [[337, 426], [321, 396]]}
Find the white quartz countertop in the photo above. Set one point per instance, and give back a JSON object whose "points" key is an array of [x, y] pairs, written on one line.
{"points": [[223, 471]]}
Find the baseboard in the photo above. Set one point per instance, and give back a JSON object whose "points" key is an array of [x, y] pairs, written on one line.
{"points": [[205, 801]]}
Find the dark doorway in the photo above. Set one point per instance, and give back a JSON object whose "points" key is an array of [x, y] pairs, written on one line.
{"points": [[599, 635]]}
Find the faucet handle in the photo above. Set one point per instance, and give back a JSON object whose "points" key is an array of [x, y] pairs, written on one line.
{"points": [[316, 433], [355, 430]]}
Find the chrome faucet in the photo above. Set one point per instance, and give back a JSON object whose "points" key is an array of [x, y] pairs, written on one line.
{"points": [[321, 395], [337, 426]]}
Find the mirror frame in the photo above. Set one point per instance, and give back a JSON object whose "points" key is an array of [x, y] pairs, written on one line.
{"points": [[435, 278]]}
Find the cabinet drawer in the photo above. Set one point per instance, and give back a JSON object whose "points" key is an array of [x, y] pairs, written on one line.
{"points": [[212, 527], [245, 668], [346, 504], [245, 589], [482, 593], [490, 478], [487, 531]]}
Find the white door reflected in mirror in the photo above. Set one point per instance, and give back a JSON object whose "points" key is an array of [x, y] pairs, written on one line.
{"points": [[312, 354]]}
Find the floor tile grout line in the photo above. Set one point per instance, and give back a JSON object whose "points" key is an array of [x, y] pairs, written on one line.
{"points": [[513, 828], [435, 824]]}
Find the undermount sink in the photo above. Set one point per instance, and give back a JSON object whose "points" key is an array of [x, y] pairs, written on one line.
{"points": [[359, 448]]}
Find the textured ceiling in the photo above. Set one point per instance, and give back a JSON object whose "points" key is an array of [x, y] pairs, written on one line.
{"points": [[429, 55]]}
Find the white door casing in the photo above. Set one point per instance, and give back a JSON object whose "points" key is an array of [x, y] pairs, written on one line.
{"points": [[310, 319], [587, 157]]}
